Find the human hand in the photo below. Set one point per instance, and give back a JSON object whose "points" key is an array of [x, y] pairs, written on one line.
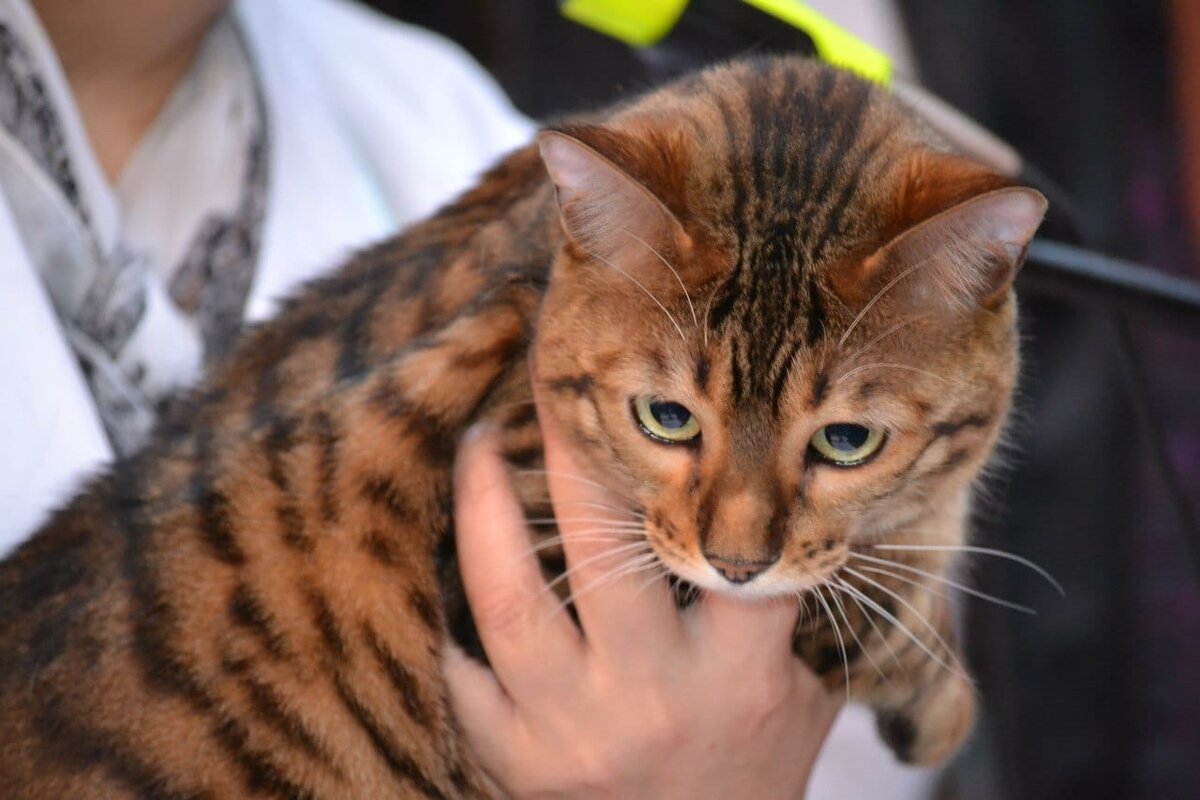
{"points": [[646, 701]]}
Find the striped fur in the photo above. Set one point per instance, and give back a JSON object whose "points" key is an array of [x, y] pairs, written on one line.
{"points": [[255, 605]]}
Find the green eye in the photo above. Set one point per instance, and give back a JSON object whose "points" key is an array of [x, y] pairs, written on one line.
{"points": [[665, 421], [846, 444]]}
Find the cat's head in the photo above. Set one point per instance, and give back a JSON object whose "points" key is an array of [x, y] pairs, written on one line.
{"points": [[782, 317]]}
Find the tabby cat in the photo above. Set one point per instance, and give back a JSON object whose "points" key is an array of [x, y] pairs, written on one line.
{"points": [[765, 301]]}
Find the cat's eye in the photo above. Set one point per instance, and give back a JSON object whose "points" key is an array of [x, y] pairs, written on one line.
{"points": [[665, 421], [847, 444]]}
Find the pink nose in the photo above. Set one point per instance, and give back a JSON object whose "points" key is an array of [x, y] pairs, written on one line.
{"points": [[738, 570]]}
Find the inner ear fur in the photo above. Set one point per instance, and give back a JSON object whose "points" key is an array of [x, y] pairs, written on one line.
{"points": [[605, 211], [963, 257]]}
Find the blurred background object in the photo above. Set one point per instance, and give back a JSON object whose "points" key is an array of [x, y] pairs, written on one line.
{"points": [[1097, 696]]}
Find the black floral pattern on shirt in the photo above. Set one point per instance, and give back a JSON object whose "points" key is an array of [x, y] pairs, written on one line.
{"points": [[26, 112], [210, 283]]}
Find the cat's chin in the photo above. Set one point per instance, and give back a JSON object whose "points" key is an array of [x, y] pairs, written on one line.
{"points": [[763, 587]]}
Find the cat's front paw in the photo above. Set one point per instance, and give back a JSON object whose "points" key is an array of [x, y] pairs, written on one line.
{"points": [[932, 727]]}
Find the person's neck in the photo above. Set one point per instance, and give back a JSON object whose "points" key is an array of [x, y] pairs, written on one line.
{"points": [[122, 59]]}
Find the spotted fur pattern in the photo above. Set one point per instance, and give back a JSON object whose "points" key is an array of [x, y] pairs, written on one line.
{"points": [[256, 604]]}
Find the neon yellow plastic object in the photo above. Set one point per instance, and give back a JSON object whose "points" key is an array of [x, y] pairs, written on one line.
{"points": [[643, 23], [640, 23], [834, 45]]}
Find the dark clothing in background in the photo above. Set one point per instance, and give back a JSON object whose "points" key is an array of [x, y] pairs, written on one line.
{"points": [[1097, 696]]}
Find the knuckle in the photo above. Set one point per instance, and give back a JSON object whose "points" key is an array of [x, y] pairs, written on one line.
{"points": [[503, 612], [616, 759], [594, 760], [641, 733], [773, 694], [599, 764], [662, 724], [762, 700], [660, 734]]}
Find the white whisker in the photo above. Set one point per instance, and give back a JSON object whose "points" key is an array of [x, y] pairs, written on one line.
{"points": [[889, 365], [801, 596], [550, 473], [850, 359], [570, 476], [870, 621], [934, 590], [631, 567], [649, 294], [674, 272], [535, 548], [1000, 601], [987, 551], [558, 541], [838, 634], [615, 552], [707, 313], [896, 596], [878, 295], [836, 593], [610, 523], [604, 506], [660, 573], [912, 637]]}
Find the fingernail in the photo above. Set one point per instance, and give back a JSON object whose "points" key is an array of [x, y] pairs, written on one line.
{"points": [[478, 431], [451, 652]]}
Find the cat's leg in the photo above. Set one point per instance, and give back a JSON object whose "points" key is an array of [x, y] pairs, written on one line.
{"points": [[926, 712], [890, 645]]}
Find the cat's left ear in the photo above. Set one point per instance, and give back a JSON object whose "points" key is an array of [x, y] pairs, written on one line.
{"points": [[966, 256], [605, 211]]}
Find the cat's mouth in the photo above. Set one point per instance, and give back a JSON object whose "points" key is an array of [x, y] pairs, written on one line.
{"points": [[782, 578], [776, 580]]}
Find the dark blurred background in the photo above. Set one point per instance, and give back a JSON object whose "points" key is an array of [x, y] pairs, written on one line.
{"points": [[1099, 695]]}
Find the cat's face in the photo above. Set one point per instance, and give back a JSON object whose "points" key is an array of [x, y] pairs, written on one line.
{"points": [[774, 363]]}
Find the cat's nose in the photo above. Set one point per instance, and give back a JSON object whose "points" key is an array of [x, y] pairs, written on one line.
{"points": [[738, 570]]}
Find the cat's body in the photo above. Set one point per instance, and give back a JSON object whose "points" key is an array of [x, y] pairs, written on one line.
{"points": [[256, 604]]}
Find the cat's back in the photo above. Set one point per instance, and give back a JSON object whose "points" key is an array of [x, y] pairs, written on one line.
{"points": [[55, 577], [63, 623], [251, 605]]}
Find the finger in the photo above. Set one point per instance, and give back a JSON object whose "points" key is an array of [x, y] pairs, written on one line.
{"points": [[735, 626], [820, 708], [527, 639], [487, 716], [479, 700], [611, 567]]}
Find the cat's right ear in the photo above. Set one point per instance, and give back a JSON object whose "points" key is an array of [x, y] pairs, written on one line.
{"points": [[606, 213]]}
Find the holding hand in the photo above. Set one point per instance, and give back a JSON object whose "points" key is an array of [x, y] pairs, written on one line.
{"points": [[647, 701]]}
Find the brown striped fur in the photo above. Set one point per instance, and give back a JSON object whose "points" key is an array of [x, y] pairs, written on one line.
{"points": [[255, 605]]}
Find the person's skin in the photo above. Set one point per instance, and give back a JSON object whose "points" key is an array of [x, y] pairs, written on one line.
{"points": [[653, 703], [122, 59], [646, 701]]}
